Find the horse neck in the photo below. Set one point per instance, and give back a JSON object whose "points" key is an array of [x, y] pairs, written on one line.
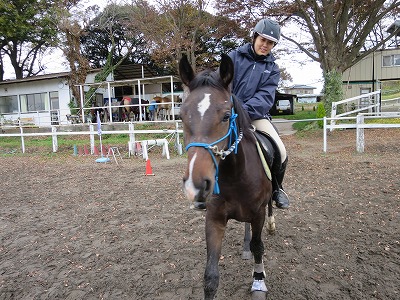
{"points": [[235, 164]]}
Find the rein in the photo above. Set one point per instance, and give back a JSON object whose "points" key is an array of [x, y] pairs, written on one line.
{"points": [[212, 148]]}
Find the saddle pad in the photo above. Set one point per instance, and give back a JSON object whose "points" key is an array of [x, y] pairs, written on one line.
{"points": [[263, 161]]}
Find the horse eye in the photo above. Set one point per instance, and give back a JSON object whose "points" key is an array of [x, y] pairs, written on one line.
{"points": [[226, 118]]}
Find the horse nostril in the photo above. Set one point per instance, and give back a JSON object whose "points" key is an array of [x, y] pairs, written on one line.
{"points": [[207, 185]]}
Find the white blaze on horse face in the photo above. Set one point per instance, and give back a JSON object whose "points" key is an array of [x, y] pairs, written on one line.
{"points": [[204, 105], [190, 189]]}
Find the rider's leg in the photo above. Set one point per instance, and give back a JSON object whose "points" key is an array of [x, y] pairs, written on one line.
{"points": [[280, 197]]}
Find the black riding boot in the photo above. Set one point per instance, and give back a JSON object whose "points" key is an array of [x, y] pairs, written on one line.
{"points": [[279, 196]]}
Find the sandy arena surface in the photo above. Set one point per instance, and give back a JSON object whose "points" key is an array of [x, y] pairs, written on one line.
{"points": [[71, 228]]}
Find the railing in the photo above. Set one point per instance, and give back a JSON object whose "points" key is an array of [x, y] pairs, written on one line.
{"points": [[359, 124], [92, 132], [370, 102]]}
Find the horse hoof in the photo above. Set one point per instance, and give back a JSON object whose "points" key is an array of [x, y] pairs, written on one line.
{"points": [[258, 295], [271, 230], [247, 255]]}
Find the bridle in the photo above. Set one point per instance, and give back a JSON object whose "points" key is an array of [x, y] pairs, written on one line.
{"points": [[212, 148]]}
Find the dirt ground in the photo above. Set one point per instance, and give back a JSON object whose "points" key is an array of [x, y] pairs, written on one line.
{"points": [[71, 228]]}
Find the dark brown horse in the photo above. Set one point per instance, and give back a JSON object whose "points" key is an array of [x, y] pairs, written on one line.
{"points": [[224, 169], [133, 110]]}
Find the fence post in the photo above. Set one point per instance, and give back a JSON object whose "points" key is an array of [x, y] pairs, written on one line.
{"points": [[333, 114], [360, 133], [177, 141], [22, 139], [325, 137], [54, 138], [91, 129], [131, 144]]}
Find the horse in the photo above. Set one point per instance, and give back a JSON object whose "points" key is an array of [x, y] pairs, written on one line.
{"points": [[133, 110], [224, 169], [163, 110]]}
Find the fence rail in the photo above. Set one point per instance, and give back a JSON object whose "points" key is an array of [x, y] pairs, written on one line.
{"points": [[92, 132], [359, 125]]}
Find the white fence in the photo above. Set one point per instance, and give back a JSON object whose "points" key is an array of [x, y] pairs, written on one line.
{"points": [[359, 124], [91, 132], [370, 103]]}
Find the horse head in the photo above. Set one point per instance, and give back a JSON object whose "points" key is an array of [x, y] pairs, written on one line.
{"points": [[207, 118]]}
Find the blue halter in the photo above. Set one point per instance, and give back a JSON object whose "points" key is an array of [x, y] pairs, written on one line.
{"points": [[212, 148]]}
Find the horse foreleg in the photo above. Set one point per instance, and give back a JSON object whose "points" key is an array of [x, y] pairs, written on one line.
{"points": [[214, 235], [258, 289], [270, 218], [246, 254]]}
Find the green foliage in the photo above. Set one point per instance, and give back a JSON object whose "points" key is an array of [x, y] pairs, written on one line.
{"points": [[27, 28], [72, 107], [321, 112], [332, 89]]}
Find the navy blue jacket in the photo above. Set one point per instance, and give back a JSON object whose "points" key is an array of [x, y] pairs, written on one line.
{"points": [[255, 81]]}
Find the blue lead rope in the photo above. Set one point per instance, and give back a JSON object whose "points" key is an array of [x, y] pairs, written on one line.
{"points": [[213, 150]]}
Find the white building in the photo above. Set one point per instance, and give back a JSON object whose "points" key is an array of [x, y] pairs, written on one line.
{"points": [[44, 100]]}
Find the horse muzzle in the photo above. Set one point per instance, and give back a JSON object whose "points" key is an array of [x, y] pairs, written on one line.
{"points": [[197, 192]]}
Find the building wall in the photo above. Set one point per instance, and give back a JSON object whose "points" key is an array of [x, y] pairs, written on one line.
{"points": [[369, 72], [21, 88]]}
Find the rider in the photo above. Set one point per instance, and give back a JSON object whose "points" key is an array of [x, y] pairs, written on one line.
{"points": [[255, 82]]}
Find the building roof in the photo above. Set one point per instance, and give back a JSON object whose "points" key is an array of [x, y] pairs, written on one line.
{"points": [[128, 71], [301, 86], [36, 78]]}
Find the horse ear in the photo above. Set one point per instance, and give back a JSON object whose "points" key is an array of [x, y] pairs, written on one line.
{"points": [[226, 69], [185, 71]]}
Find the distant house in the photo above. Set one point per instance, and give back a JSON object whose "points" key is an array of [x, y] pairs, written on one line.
{"points": [[304, 93], [368, 74], [300, 89], [38, 100]]}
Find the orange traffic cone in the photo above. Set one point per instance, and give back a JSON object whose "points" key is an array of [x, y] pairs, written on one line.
{"points": [[96, 151], [149, 171]]}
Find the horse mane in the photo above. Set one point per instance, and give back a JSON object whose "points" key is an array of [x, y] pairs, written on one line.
{"points": [[243, 118], [207, 78], [210, 78]]}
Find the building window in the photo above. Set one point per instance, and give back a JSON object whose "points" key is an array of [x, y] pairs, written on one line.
{"points": [[54, 102], [8, 104], [34, 102], [391, 60]]}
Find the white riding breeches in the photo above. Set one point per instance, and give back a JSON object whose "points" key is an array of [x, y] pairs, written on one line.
{"points": [[266, 126]]}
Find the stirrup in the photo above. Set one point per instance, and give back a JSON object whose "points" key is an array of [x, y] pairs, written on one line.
{"points": [[281, 199]]}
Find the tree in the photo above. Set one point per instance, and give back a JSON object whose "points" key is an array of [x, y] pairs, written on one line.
{"points": [[111, 29], [176, 27], [26, 30], [72, 28], [339, 30]]}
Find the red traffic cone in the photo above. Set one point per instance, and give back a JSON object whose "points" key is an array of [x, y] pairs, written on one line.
{"points": [[96, 151], [86, 150], [138, 148], [149, 171], [104, 149]]}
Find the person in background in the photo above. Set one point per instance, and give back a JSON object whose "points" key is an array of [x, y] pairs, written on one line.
{"points": [[255, 82], [152, 109]]}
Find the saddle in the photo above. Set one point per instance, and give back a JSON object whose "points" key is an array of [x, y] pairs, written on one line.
{"points": [[269, 153]]}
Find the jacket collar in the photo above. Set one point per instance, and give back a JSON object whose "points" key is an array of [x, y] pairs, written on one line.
{"points": [[248, 51]]}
